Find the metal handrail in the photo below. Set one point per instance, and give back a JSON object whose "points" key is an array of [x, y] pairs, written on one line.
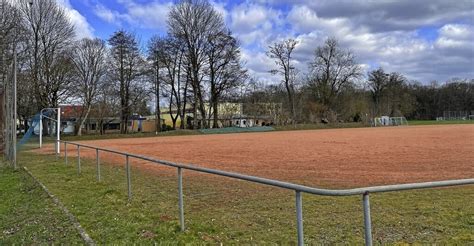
{"points": [[364, 191]]}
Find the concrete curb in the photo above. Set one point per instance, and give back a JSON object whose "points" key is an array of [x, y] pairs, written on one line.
{"points": [[87, 239]]}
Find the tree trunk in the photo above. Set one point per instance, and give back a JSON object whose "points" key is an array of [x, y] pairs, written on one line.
{"points": [[157, 104], [183, 106], [83, 120], [216, 113]]}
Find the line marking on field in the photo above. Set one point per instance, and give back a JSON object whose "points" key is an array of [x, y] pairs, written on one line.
{"points": [[87, 239]]}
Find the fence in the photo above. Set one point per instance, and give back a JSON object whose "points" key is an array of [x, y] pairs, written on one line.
{"points": [[298, 189]]}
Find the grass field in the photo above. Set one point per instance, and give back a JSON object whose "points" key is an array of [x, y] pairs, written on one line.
{"points": [[28, 216], [441, 122], [224, 210], [221, 210]]}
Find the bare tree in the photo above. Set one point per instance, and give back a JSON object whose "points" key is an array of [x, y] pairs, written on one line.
{"points": [[49, 34], [106, 105], [224, 69], [332, 69], [281, 53], [155, 53], [89, 59], [193, 21], [10, 28], [127, 67], [377, 82], [173, 64]]}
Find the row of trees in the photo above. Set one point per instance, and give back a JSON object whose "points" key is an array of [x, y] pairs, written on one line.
{"points": [[335, 89], [196, 65]]}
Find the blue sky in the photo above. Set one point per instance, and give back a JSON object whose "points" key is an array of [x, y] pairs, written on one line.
{"points": [[425, 39]]}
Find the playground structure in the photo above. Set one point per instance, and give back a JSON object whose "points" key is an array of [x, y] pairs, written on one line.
{"points": [[390, 121]]}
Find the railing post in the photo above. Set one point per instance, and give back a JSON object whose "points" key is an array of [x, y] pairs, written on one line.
{"points": [[56, 147], [299, 218], [78, 160], [65, 152], [129, 183], [367, 221], [98, 164], [180, 201]]}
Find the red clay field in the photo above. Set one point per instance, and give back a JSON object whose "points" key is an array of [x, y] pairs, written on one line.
{"points": [[323, 158]]}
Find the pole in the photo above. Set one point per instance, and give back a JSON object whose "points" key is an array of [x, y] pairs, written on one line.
{"points": [[367, 221], [78, 160], [180, 201], [58, 132], [98, 164], [14, 160], [40, 129], [299, 218], [65, 152], [129, 183]]}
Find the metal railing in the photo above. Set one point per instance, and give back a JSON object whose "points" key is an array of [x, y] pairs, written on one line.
{"points": [[364, 192]]}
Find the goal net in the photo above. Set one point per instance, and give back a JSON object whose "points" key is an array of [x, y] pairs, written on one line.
{"points": [[390, 121], [398, 121]]}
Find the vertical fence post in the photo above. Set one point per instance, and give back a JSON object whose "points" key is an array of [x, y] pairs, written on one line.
{"points": [[56, 147], [65, 152], [367, 221], [78, 160], [98, 164], [180, 201], [129, 184], [299, 218]]}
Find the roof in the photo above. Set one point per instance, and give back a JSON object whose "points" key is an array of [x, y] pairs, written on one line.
{"points": [[71, 111]]}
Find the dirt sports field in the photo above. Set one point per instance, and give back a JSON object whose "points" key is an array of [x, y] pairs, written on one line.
{"points": [[330, 158]]}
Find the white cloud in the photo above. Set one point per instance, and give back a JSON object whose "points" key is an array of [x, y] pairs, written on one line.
{"points": [[255, 24], [106, 14], [82, 28], [380, 33], [151, 15]]}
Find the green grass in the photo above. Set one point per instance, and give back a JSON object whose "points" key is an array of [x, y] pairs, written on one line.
{"points": [[130, 135], [27, 214], [320, 126], [441, 122], [235, 212]]}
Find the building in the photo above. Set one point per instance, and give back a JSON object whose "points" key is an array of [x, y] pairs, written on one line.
{"points": [[244, 114], [138, 123]]}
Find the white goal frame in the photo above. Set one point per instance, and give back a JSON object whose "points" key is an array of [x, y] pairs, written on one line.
{"points": [[390, 121], [57, 147]]}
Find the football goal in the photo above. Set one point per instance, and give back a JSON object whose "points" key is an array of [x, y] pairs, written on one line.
{"points": [[390, 121], [46, 123]]}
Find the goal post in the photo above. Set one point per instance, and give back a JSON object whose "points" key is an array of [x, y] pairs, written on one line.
{"points": [[45, 114], [398, 121], [390, 121]]}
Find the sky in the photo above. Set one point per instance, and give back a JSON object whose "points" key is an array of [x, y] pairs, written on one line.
{"points": [[425, 40]]}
